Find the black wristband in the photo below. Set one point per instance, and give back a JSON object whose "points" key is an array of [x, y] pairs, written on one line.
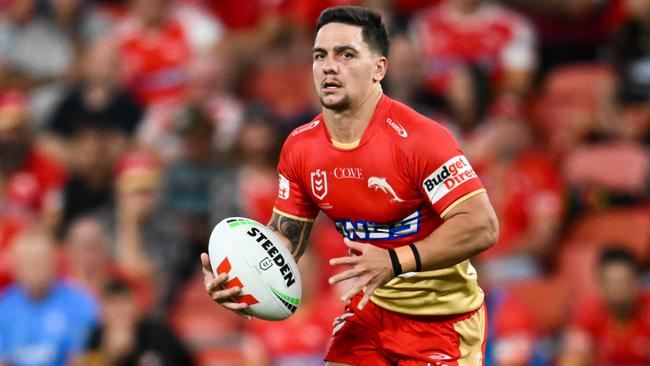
{"points": [[416, 254], [397, 267]]}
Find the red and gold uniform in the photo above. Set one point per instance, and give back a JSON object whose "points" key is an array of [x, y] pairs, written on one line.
{"points": [[389, 189]]}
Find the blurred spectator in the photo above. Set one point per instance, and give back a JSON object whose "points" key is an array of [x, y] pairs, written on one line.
{"points": [[149, 241], [631, 57], [30, 182], [89, 263], [97, 98], [571, 31], [89, 188], [43, 321], [208, 89], [614, 328], [512, 335], [256, 151], [198, 188], [128, 337], [210, 86], [283, 81], [156, 43], [41, 48], [475, 33], [525, 190], [302, 338]]}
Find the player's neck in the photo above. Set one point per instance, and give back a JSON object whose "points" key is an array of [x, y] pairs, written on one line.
{"points": [[348, 126]]}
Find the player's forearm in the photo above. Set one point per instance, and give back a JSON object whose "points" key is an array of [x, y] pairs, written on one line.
{"points": [[463, 235], [294, 233]]}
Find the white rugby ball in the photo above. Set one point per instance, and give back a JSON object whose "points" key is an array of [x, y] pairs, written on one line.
{"points": [[260, 264]]}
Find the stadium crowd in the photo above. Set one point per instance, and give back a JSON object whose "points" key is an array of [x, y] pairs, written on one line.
{"points": [[128, 128]]}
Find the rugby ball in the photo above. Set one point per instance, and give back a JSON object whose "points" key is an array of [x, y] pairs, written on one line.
{"points": [[260, 264]]}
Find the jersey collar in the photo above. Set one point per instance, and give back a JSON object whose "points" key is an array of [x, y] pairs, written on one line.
{"points": [[380, 114]]}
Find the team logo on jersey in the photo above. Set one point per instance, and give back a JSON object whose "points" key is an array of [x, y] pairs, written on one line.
{"points": [[368, 230], [398, 128], [348, 173], [319, 183], [378, 183], [304, 128], [445, 179], [284, 188]]}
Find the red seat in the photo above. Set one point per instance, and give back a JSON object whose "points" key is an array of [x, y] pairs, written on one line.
{"points": [[622, 167], [211, 333], [627, 227], [547, 300]]}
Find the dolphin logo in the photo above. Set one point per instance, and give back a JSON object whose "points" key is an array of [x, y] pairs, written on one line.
{"points": [[381, 183]]}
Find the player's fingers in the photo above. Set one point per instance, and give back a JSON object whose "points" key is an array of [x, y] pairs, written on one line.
{"points": [[213, 283], [366, 296], [354, 245], [344, 260], [235, 306], [223, 295], [358, 286], [205, 265], [350, 273]]}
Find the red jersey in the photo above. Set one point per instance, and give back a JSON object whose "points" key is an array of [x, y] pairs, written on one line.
{"points": [[523, 191], [34, 189], [492, 38], [154, 62], [612, 342], [391, 189]]}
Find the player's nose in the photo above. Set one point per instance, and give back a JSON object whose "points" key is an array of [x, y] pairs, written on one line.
{"points": [[330, 67]]}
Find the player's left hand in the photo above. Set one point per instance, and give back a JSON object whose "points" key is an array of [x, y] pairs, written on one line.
{"points": [[372, 268]]}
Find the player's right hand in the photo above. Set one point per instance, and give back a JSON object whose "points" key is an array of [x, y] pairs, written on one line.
{"points": [[215, 288]]}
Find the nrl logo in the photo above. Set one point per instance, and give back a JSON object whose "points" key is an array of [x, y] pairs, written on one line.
{"points": [[319, 183]]}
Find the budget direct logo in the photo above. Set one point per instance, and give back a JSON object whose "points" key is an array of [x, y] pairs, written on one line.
{"points": [[445, 179]]}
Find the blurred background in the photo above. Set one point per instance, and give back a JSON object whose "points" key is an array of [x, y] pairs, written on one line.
{"points": [[128, 128]]}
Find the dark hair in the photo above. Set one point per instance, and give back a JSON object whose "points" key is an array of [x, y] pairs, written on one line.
{"points": [[373, 30], [617, 254], [116, 287]]}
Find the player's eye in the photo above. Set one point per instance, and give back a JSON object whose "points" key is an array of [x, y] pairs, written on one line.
{"points": [[348, 55], [319, 56]]}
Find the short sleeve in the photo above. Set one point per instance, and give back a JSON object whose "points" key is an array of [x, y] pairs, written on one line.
{"points": [[444, 174], [292, 199]]}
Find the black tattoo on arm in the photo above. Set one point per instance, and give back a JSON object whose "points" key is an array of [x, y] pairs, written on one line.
{"points": [[296, 231]]}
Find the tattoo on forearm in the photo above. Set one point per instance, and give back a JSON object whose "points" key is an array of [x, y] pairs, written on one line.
{"points": [[295, 230]]}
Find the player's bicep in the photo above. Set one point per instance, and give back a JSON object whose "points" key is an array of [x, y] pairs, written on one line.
{"points": [[293, 231]]}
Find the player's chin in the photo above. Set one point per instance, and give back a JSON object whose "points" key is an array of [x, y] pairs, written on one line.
{"points": [[336, 103]]}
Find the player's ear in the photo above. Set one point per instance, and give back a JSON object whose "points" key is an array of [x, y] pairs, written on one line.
{"points": [[381, 65]]}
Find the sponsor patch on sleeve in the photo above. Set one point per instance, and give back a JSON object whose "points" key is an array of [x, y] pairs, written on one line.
{"points": [[284, 187], [447, 177]]}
